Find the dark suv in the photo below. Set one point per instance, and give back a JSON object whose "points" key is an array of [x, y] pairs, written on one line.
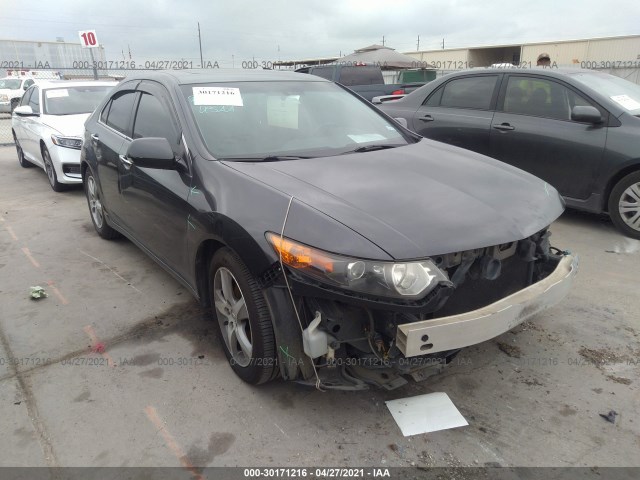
{"points": [[577, 129]]}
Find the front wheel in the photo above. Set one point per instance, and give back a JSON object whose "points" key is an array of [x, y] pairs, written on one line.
{"points": [[95, 208], [624, 205], [51, 172], [243, 318]]}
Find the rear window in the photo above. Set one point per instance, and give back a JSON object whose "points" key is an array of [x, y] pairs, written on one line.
{"points": [[470, 92], [360, 76], [73, 100]]}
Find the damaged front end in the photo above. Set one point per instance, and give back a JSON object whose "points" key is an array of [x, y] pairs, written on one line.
{"points": [[374, 323]]}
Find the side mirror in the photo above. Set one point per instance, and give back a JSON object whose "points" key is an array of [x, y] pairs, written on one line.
{"points": [[25, 111], [402, 121], [151, 152], [586, 114]]}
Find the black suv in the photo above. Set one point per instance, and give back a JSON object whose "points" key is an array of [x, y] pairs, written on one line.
{"points": [[577, 129]]}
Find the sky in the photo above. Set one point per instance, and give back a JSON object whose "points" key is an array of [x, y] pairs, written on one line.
{"points": [[234, 31]]}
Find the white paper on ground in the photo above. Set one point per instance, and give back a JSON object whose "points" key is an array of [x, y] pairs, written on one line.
{"points": [[425, 413]]}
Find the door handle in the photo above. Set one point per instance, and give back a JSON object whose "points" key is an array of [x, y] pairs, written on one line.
{"points": [[95, 137], [126, 161], [504, 127], [426, 118]]}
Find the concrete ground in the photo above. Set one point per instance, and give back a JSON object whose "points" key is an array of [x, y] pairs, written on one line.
{"points": [[161, 392]]}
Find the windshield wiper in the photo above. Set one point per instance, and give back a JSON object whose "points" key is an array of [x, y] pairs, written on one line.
{"points": [[269, 158], [371, 148]]}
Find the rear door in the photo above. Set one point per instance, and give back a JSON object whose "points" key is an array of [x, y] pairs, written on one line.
{"points": [[112, 130], [460, 111], [31, 130], [533, 130], [155, 207], [18, 122]]}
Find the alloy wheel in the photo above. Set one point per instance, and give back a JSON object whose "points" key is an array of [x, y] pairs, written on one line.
{"points": [[95, 205], [49, 167], [629, 206], [233, 316]]}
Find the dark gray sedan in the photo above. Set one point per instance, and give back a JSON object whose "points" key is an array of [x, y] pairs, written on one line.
{"points": [[334, 246], [577, 129]]}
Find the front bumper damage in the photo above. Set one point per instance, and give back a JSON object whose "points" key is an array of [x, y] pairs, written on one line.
{"points": [[351, 341], [470, 328]]}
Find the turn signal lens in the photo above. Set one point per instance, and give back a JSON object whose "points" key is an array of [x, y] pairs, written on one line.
{"points": [[297, 255]]}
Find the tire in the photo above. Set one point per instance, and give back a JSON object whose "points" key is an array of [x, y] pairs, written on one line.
{"points": [[51, 172], [245, 328], [624, 205], [92, 192], [24, 163]]}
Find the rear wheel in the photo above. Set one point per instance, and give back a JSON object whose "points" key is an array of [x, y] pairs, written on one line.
{"points": [[95, 208], [243, 318], [624, 205], [51, 172], [24, 163]]}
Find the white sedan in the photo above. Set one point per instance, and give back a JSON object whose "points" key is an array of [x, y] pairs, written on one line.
{"points": [[48, 126]]}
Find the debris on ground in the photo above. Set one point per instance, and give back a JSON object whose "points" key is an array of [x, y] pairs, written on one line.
{"points": [[511, 350], [610, 417], [37, 292], [532, 382], [600, 356], [98, 348], [622, 380]]}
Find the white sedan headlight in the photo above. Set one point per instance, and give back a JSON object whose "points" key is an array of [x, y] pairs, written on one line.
{"points": [[68, 142]]}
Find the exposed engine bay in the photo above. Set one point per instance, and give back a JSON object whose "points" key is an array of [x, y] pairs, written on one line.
{"points": [[355, 341]]}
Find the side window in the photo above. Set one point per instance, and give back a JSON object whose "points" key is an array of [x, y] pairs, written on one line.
{"points": [[105, 112], [34, 100], [540, 97], [25, 97], [153, 120], [120, 111], [434, 98], [470, 92]]}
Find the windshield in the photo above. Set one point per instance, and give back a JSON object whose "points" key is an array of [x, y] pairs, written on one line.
{"points": [[256, 120], [73, 100], [10, 83], [621, 91]]}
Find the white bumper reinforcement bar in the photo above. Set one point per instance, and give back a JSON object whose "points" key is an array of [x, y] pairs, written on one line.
{"points": [[469, 328]]}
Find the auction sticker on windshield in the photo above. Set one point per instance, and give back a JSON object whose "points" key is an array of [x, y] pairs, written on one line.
{"points": [[626, 101], [217, 96], [57, 93]]}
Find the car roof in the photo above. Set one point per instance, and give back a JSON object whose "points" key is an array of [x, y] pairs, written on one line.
{"points": [[538, 70], [75, 83], [222, 75]]}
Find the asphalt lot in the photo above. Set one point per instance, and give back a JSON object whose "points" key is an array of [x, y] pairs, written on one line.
{"points": [[162, 394]]}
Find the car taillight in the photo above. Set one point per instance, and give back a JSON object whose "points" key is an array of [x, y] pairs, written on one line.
{"points": [[400, 91]]}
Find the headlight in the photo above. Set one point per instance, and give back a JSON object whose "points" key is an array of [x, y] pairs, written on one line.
{"points": [[4, 98], [68, 142], [388, 279]]}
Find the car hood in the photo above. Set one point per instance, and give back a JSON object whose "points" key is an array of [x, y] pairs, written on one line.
{"points": [[68, 125], [424, 199], [7, 90]]}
